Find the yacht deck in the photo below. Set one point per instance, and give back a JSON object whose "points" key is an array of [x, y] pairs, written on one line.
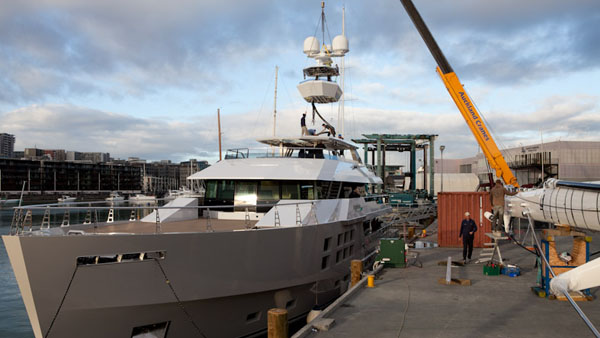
{"points": [[137, 227]]}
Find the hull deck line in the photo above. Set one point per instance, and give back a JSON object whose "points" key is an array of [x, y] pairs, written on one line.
{"points": [[196, 225]]}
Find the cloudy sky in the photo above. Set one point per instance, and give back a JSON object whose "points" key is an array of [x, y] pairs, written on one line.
{"points": [[145, 77]]}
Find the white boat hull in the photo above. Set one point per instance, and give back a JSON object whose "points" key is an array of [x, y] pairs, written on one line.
{"points": [[559, 202]]}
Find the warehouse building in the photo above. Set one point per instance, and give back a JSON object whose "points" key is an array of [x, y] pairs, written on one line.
{"points": [[565, 160]]}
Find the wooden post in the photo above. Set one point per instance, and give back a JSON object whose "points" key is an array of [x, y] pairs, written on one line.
{"points": [[356, 267], [277, 325]]}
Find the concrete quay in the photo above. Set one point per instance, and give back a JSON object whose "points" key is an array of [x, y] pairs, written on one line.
{"points": [[410, 303]]}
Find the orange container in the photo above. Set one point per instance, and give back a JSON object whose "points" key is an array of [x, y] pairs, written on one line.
{"points": [[451, 210]]}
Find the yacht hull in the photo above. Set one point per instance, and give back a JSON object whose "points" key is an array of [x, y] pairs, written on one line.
{"points": [[213, 284]]}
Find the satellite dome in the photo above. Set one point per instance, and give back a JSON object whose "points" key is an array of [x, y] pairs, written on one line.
{"points": [[340, 44], [311, 45]]}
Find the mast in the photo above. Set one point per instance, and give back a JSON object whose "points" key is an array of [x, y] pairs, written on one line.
{"points": [[321, 86], [219, 123], [342, 71], [275, 103], [542, 151]]}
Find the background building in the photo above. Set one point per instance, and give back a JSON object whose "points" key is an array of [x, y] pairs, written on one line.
{"points": [[92, 157], [7, 145], [56, 171], [565, 160], [55, 177], [159, 177], [188, 168], [33, 153], [56, 154]]}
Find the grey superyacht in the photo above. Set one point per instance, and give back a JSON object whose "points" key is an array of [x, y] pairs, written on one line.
{"points": [[275, 228]]}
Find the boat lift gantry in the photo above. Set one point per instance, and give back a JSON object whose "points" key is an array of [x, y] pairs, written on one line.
{"points": [[379, 144]]}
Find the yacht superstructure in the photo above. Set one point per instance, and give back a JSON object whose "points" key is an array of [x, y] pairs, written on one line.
{"points": [[275, 230]]}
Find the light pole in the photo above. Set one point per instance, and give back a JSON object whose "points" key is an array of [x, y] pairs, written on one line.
{"points": [[442, 151]]}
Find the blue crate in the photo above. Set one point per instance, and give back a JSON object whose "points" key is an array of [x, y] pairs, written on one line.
{"points": [[511, 271]]}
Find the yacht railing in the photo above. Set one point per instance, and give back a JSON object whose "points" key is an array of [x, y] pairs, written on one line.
{"points": [[320, 153], [27, 218]]}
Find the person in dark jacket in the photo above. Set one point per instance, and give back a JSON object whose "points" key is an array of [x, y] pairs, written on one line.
{"points": [[355, 192], [303, 125], [467, 232]]}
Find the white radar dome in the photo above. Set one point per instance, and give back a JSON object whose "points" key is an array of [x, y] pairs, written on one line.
{"points": [[340, 44], [311, 45]]}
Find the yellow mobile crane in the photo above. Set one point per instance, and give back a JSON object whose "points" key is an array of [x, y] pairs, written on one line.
{"points": [[462, 99]]}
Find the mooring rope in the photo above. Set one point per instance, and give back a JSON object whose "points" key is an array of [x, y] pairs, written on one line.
{"points": [[62, 301], [168, 282]]}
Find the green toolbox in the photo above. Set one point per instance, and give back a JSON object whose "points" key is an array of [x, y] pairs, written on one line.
{"points": [[491, 269], [392, 252]]}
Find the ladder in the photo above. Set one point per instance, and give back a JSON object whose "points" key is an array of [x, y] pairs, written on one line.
{"points": [[27, 220], [111, 216], [491, 249], [46, 219], [66, 219]]}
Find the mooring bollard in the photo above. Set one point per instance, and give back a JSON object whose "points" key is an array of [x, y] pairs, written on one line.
{"points": [[449, 270], [277, 325], [356, 267], [371, 281]]}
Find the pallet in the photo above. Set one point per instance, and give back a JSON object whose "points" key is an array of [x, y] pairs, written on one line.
{"points": [[562, 231], [575, 295], [455, 281], [454, 263]]}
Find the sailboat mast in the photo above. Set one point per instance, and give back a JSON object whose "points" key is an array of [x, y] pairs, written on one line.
{"points": [[275, 103], [219, 123]]}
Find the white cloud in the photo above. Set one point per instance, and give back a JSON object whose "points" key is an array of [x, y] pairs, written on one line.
{"points": [[60, 59], [79, 128]]}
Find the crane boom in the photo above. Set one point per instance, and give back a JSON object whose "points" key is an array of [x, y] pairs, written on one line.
{"points": [[462, 100]]}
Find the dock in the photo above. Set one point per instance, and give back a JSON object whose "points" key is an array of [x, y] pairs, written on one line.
{"points": [[409, 302]]}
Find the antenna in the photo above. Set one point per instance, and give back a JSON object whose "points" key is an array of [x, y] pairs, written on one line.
{"points": [[219, 122], [323, 21], [275, 102], [344, 20]]}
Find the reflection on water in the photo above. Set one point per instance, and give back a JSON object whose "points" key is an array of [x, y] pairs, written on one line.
{"points": [[14, 322]]}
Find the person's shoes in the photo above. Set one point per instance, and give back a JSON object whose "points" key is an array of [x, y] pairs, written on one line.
{"points": [[464, 261]]}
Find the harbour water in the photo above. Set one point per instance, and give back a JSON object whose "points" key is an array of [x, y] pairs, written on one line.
{"points": [[13, 317]]}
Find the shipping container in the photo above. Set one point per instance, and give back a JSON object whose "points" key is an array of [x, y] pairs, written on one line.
{"points": [[451, 211]]}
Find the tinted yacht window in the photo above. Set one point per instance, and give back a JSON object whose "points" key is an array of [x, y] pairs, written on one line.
{"points": [[307, 191], [290, 190], [245, 194]]}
